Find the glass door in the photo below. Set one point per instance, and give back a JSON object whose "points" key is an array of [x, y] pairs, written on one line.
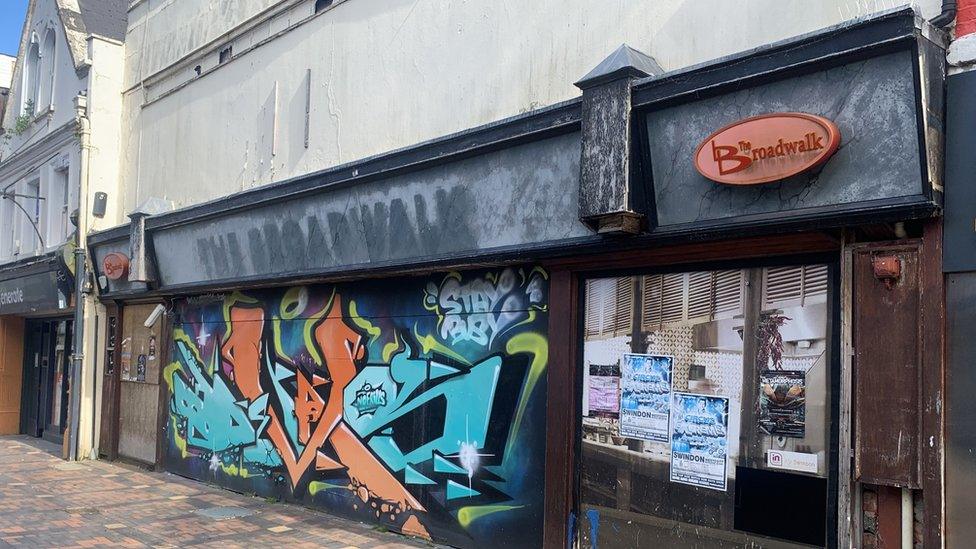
{"points": [[30, 422], [706, 408], [59, 359]]}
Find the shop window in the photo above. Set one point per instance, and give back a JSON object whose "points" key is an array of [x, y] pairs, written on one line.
{"points": [[785, 286], [711, 427], [611, 301], [681, 297]]}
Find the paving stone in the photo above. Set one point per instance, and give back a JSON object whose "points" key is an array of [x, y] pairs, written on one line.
{"points": [[47, 502]]}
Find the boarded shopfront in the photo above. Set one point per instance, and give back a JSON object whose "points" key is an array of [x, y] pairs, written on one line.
{"points": [[622, 320], [417, 403]]}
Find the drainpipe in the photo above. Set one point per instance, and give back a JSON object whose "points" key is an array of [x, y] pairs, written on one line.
{"points": [[78, 354], [947, 16]]}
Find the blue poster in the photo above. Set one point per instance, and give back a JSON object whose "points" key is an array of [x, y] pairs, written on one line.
{"points": [[699, 440], [645, 396]]}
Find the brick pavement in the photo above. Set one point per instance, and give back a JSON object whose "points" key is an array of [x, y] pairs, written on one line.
{"points": [[48, 502]]}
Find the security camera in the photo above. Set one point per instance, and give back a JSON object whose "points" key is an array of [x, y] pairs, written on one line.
{"points": [[154, 316]]}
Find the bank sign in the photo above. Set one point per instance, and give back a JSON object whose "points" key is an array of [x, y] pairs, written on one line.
{"points": [[30, 294], [767, 148]]}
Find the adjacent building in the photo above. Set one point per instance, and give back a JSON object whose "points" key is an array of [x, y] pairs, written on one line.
{"points": [[6, 77], [958, 262], [58, 176]]}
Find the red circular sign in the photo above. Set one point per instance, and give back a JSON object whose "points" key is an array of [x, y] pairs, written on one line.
{"points": [[115, 266], [767, 148]]}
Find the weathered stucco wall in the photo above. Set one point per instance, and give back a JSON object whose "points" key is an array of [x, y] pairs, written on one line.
{"points": [[382, 74], [104, 113]]}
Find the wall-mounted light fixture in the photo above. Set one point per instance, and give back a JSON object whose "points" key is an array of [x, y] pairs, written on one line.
{"points": [[886, 268]]}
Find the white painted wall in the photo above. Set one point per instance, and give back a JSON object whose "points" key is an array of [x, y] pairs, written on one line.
{"points": [[387, 74], [42, 153], [6, 70], [47, 150], [52, 109], [105, 117]]}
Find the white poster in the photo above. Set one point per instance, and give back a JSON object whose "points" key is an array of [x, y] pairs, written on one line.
{"points": [[792, 461], [699, 440], [645, 396]]}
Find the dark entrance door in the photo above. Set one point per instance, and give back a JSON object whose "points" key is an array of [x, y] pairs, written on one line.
{"points": [[46, 365]]}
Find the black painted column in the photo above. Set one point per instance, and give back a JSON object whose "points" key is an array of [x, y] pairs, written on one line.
{"points": [[606, 175]]}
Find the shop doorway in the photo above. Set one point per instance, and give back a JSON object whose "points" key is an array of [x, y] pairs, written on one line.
{"points": [[47, 355], [140, 373], [708, 407]]}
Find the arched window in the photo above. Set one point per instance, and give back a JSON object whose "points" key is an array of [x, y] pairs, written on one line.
{"points": [[28, 95], [45, 75]]}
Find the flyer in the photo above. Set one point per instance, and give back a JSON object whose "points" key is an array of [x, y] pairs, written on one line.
{"points": [[141, 368], [126, 365], [782, 403], [604, 390], [699, 440], [645, 396]]}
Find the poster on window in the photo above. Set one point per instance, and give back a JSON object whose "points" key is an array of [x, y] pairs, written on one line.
{"points": [[645, 396], [126, 365], [782, 403], [603, 394], [699, 440]]}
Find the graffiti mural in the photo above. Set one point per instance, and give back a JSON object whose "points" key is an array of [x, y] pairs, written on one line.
{"points": [[416, 403]]}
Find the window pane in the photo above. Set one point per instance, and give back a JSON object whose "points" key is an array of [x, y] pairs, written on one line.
{"points": [[755, 382]]}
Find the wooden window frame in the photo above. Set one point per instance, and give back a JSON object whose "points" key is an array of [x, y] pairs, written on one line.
{"points": [[566, 331]]}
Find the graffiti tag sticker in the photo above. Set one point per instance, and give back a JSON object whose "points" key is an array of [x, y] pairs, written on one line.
{"points": [[369, 399]]}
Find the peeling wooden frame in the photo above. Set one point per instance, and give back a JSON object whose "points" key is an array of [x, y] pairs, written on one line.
{"points": [[848, 508]]}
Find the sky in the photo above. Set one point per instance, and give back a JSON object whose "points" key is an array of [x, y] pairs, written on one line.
{"points": [[11, 23]]}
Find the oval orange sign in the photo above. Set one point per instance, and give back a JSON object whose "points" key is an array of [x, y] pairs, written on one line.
{"points": [[767, 148], [115, 265]]}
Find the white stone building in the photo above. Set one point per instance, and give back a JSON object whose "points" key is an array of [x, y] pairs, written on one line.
{"points": [[58, 151]]}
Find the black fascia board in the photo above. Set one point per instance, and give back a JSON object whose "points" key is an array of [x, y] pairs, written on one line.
{"points": [[115, 234], [861, 38], [802, 221], [29, 265]]}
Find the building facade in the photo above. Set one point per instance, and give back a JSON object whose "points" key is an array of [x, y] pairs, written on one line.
{"points": [[645, 273], [581, 294], [58, 176]]}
